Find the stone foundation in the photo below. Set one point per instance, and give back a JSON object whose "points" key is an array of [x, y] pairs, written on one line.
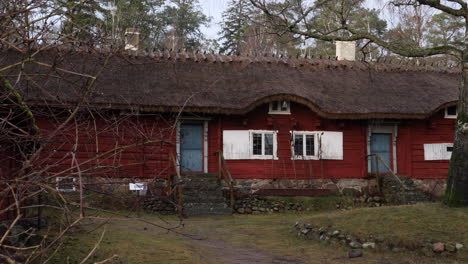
{"points": [[433, 187], [356, 187], [335, 186], [103, 185]]}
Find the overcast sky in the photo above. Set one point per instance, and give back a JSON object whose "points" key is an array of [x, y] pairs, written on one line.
{"points": [[215, 8]]}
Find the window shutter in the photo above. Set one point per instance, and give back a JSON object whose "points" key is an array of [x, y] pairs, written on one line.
{"points": [[236, 144], [331, 145], [438, 151]]}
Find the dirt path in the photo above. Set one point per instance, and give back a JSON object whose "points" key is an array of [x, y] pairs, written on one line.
{"points": [[235, 255]]}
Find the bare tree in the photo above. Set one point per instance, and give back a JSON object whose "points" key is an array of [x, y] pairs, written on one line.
{"points": [[57, 139], [299, 24]]}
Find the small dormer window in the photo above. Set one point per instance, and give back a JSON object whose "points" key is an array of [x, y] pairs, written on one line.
{"points": [[280, 107], [451, 112]]}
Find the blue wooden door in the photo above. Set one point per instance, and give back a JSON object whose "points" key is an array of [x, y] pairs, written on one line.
{"points": [[381, 145], [191, 147]]}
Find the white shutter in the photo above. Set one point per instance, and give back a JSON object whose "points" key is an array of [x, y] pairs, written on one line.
{"points": [[331, 145], [236, 144], [437, 151]]}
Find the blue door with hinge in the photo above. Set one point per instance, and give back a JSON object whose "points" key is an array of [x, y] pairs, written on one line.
{"points": [[191, 147], [381, 145]]}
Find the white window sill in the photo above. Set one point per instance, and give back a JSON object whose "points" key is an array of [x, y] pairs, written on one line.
{"points": [[263, 157], [451, 117], [279, 112], [304, 158], [66, 190]]}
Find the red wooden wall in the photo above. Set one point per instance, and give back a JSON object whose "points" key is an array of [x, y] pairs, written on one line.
{"points": [[354, 140], [114, 147], [97, 136], [412, 136], [7, 168]]}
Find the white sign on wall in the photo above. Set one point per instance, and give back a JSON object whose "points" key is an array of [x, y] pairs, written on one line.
{"points": [[438, 151], [138, 186]]}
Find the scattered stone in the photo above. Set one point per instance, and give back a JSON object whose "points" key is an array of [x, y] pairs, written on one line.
{"points": [[322, 230], [368, 245], [458, 246], [438, 247], [305, 231], [248, 210], [427, 251], [450, 247], [336, 233], [397, 249], [309, 226], [355, 244], [355, 253], [241, 210], [297, 225], [377, 199]]}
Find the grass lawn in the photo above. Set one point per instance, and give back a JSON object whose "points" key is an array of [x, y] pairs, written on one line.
{"points": [[266, 238]]}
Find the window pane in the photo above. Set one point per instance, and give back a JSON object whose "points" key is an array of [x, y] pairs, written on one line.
{"points": [[298, 145], [452, 110], [257, 144], [268, 144], [284, 105], [274, 106], [310, 148]]}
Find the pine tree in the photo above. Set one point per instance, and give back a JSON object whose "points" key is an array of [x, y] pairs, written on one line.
{"points": [[235, 25], [183, 20]]}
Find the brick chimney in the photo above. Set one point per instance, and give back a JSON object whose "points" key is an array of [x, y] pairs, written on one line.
{"points": [[132, 39], [346, 50]]}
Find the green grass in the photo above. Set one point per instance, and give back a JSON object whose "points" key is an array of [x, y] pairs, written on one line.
{"points": [[226, 239], [423, 221], [326, 203]]}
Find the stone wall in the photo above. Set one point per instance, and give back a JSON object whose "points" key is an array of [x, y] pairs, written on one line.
{"points": [[103, 185], [434, 187], [335, 186], [354, 187]]}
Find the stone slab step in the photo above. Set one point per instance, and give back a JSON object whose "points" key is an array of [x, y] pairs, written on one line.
{"points": [[201, 187], [212, 199], [200, 209]]}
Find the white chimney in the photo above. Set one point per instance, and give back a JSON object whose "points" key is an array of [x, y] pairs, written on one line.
{"points": [[132, 39], [346, 50]]}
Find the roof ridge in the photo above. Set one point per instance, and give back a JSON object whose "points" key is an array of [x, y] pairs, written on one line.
{"points": [[298, 61]]}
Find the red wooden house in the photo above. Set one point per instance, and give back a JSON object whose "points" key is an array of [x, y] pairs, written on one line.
{"points": [[280, 123]]}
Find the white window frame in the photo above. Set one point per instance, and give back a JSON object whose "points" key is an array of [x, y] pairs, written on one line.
{"points": [[275, 144], [280, 112], [450, 116], [316, 145], [58, 179]]}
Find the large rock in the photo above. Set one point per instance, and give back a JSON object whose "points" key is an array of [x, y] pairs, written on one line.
{"points": [[368, 245], [438, 247], [450, 247], [355, 253], [355, 244]]}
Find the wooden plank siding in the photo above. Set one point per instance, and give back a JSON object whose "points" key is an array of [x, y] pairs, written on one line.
{"points": [[152, 160], [413, 134], [8, 165], [95, 139], [300, 119]]}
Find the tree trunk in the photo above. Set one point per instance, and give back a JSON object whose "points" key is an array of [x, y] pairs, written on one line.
{"points": [[457, 181]]}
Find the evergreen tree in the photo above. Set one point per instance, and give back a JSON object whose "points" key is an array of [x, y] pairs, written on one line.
{"points": [[145, 15], [235, 24], [82, 19], [183, 20]]}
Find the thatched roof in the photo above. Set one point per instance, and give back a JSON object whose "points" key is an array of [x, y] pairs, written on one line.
{"points": [[213, 83]]}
